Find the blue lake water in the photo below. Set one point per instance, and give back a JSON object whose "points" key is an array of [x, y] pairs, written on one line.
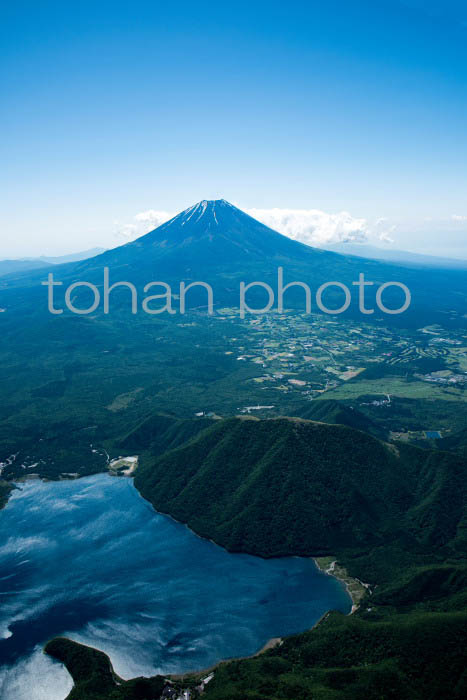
{"points": [[90, 559]]}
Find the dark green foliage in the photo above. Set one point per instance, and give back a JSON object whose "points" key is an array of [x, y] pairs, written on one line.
{"points": [[50, 390], [416, 657], [5, 490], [336, 412], [288, 486], [90, 669], [63, 379], [414, 414], [72, 369], [160, 433], [94, 678], [425, 365], [425, 584], [394, 515], [456, 442]]}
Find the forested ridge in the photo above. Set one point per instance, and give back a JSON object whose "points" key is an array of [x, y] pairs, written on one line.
{"points": [[392, 514], [94, 677], [289, 486]]}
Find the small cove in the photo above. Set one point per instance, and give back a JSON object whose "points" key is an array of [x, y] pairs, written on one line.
{"points": [[90, 559]]}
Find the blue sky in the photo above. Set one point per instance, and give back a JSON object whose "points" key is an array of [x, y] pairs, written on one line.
{"points": [[112, 109]]}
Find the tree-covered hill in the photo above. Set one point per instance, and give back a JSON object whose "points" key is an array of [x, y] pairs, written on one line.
{"points": [[456, 442], [336, 412], [94, 677], [417, 656], [160, 433], [288, 486], [393, 514]]}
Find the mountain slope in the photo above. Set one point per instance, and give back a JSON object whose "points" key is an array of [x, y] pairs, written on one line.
{"points": [[210, 234], [288, 486], [218, 244], [215, 238], [421, 656], [25, 265], [10, 267], [94, 676], [160, 433], [72, 257], [393, 514], [401, 257], [335, 412], [456, 442]]}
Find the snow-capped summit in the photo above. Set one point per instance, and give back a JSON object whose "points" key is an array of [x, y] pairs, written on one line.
{"points": [[206, 209], [210, 236]]}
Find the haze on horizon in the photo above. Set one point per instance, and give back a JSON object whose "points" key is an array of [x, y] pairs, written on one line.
{"points": [[327, 123]]}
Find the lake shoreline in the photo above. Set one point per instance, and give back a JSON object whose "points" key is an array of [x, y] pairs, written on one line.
{"points": [[73, 502], [6, 489], [356, 589]]}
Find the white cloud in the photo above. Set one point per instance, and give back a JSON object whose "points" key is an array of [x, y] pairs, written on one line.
{"points": [[311, 226], [319, 228], [384, 237], [458, 217], [153, 217], [142, 223]]}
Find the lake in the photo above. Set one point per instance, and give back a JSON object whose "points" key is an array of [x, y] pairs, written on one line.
{"points": [[90, 559]]}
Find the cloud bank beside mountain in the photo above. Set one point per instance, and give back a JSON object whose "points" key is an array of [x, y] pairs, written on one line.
{"points": [[319, 228], [311, 226]]}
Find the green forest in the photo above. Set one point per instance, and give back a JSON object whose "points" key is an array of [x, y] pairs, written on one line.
{"points": [[393, 514]]}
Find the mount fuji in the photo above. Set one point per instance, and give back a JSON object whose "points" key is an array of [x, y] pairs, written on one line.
{"points": [[215, 242], [211, 235]]}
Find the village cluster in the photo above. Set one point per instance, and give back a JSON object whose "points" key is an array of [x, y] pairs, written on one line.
{"points": [[314, 355]]}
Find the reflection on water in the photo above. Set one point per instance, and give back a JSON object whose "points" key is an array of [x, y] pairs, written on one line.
{"points": [[90, 559]]}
